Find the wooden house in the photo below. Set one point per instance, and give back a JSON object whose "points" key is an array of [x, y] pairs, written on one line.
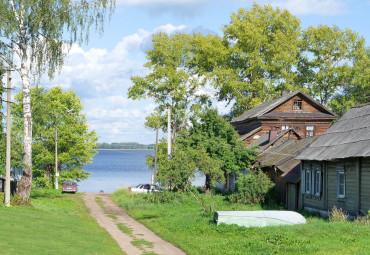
{"points": [[336, 167], [279, 163], [296, 110]]}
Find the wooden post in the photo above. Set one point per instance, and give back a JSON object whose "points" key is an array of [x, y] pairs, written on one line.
{"points": [[8, 130]]}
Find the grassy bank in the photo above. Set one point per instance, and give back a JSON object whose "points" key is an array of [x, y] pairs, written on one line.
{"points": [[55, 224], [179, 220]]}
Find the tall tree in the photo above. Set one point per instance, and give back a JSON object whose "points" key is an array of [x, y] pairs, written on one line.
{"points": [[358, 91], [171, 82], [328, 55], [218, 139], [55, 113], [35, 38], [255, 59]]}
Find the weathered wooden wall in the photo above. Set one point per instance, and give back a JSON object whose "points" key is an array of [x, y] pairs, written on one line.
{"points": [[365, 185]]}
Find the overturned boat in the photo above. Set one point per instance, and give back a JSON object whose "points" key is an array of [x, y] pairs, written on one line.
{"points": [[259, 218]]}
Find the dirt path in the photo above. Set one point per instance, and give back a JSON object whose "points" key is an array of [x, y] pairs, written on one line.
{"points": [[132, 236]]}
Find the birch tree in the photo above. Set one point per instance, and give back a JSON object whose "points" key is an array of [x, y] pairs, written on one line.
{"points": [[35, 37]]}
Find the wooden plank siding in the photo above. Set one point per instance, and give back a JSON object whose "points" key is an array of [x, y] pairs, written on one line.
{"points": [[365, 185], [310, 200], [349, 203], [287, 106]]}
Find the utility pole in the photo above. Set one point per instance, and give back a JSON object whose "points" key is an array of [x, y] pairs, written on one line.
{"points": [[56, 156], [8, 130], [155, 156], [169, 132], [56, 148]]}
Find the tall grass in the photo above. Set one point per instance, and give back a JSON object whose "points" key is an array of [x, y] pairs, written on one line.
{"points": [[182, 222]]}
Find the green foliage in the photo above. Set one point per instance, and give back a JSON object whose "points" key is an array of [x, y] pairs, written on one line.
{"points": [[358, 92], [54, 109], [251, 188], [255, 58], [170, 83], [328, 55], [42, 32]]}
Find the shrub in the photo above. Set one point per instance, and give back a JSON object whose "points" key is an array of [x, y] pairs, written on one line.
{"points": [[338, 215], [251, 188]]}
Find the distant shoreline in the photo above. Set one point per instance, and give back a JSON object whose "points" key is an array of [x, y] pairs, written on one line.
{"points": [[124, 149]]}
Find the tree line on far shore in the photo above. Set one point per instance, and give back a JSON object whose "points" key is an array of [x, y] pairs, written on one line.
{"points": [[117, 146]]}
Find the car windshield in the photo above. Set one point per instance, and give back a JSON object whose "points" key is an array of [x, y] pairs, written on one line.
{"points": [[69, 184], [138, 186]]}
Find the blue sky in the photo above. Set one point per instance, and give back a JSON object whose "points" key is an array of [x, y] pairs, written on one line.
{"points": [[100, 71]]}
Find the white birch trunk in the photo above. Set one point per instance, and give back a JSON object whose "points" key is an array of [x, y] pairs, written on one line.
{"points": [[24, 187]]}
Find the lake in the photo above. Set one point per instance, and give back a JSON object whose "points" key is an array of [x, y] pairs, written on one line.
{"points": [[113, 169]]}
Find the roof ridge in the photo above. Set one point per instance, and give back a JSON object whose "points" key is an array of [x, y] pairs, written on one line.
{"points": [[347, 130], [360, 105]]}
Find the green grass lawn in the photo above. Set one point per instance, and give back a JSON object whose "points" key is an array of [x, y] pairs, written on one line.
{"points": [[181, 221], [55, 224]]}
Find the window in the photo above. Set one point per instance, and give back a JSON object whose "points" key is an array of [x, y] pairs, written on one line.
{"points": [[284, 127], [309, 131], [312, 179], [308, 182], [317, 183], [297, 105], [341, 184]]}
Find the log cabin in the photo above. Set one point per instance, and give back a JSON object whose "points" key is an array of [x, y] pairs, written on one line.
{"points": [[295, 110]]}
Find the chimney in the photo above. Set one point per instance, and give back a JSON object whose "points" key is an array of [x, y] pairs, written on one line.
{"points": [[272, 134]]}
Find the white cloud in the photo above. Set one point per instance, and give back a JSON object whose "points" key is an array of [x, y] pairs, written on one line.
{"points": [[101, 78]]}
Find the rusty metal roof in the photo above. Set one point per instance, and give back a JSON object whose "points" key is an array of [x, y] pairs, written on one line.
{"points": [[348, 137]]}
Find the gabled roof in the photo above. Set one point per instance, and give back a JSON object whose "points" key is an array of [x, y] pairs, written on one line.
{"points": [[268, 106], [249, 134], [284, 155], [263, 142], [348, 137]]}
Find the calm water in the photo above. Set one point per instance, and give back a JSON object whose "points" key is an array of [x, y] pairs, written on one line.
{"points": [[111, 170]]}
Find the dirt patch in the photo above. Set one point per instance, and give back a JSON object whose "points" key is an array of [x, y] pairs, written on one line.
{"points": [[132, 236]]}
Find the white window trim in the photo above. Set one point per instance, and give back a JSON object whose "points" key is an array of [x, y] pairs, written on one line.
{"points": [[344, 184], [284, 127], [318, 181]]}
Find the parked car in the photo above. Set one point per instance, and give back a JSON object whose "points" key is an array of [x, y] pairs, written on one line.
{"points": [[69, 186], [146, 188]]}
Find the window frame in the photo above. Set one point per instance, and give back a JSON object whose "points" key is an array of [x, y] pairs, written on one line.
{"points": [[297, 105], [311, 131], [339, 173], [317, 183], [284, 127], [308, 182]]}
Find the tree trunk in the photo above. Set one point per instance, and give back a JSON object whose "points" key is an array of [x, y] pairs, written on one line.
{"points": [[24, 186], [208, 184]]}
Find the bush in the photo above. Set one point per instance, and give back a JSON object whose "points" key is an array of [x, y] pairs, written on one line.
{"points": [[15, 200], [251, 188], [338, 215]]}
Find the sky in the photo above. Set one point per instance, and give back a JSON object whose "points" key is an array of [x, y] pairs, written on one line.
{"points": [[100, 71]]}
